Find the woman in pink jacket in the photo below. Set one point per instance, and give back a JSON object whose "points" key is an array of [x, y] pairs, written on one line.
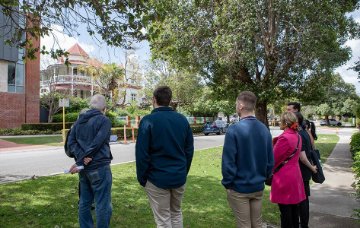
{"points": [[287, 188]]}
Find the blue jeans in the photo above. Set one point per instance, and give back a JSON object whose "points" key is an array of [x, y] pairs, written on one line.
{"points": [[95, 186]]}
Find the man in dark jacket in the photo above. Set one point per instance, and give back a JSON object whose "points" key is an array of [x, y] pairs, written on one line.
{"points": [[246, 163], [89, 141], [164, 151]]}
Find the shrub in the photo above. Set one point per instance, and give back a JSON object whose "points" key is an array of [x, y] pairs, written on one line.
{"points": [[355, 143], [355, 151], [197, 128], [69, 117], [46, 126]]}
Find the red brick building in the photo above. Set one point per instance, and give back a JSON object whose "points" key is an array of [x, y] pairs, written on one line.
{"points": [[19, 83]]}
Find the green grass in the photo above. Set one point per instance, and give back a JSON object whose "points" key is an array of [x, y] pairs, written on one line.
{"points": [[325, 144], [51, 201], [43, 140]]}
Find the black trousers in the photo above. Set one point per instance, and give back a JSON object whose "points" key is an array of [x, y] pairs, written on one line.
{"points": [[289, 215], [304, 207]]}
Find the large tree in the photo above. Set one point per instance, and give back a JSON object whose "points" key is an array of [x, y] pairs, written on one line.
{"points": [[269, 47], [115, 22]]}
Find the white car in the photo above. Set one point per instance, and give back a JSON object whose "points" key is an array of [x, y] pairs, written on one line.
{"points": [[332, 122]]}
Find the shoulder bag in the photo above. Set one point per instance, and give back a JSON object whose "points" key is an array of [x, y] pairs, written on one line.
{"points": [[268, 181]]}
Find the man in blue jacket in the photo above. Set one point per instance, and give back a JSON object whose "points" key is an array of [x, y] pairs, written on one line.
{"points": [[164, 151], [89, 141], [246, 162]]}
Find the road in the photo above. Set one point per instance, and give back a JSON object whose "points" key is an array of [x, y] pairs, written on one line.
{"points": [[44, 161]]}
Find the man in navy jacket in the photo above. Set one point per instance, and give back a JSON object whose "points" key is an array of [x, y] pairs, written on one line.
{"points": [[164, 151], [246, 162], [89, 142]]}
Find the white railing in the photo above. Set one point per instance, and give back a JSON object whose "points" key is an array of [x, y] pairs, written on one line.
{"points": [[77, 79]]}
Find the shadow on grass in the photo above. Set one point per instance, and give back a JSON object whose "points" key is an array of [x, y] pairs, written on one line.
{"points": [[51, 201]]}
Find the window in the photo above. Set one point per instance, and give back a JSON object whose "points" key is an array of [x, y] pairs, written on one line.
{"points": [[16, 74], [11, 77], [75, 71], [133, 96]]}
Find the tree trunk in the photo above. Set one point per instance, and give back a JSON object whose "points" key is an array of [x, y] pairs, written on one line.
{"points": [[327, 119], [261, 112]]}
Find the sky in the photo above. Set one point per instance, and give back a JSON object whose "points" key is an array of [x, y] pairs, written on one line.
{"points": [[109, 54]]}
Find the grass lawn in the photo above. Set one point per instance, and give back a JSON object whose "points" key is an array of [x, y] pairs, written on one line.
{"points": [[325, 144], [43, 140], [52, 201]]}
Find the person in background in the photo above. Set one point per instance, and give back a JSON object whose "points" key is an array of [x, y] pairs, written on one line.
{"points": [[164, 151], [307, 168], [311, 130], [247, 161], [293, 107], [287, 188]]}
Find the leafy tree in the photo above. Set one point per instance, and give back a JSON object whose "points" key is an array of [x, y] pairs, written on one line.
{"points": [[269, 47], [108, 77], [115, 22], [349, 107], [338, 99], [186, 86], [356, 68], [50, 101]]}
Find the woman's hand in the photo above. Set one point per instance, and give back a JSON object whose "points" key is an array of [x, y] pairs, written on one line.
{"points": [[314, 169]]}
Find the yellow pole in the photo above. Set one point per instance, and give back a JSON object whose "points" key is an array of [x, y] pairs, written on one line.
{"points": [[64, 124]]}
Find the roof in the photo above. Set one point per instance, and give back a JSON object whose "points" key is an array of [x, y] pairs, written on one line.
{"points": [[77, 50]]}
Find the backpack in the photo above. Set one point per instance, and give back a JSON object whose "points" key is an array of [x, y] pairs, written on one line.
{"points": [[66, 146]]}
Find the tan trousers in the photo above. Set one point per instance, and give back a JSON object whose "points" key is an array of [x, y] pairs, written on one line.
{"points": [[246, 208], [166, 205]]}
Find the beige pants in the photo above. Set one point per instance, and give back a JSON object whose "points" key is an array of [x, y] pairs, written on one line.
{"points": [[166, 205], [246, 208]]}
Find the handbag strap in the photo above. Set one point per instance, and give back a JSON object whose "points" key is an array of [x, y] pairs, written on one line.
{"points": [[286, 160]]}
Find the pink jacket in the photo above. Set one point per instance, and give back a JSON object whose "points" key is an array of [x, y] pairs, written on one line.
{"points": [[287, 185]]}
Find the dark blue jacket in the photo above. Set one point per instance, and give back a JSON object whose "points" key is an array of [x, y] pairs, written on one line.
{"points": [[164, 149], [90, 137], [247, 158]]}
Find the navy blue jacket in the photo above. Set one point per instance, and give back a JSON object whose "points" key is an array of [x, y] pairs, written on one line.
{"points": [[90, 137], [247, 158], [164, 149]]}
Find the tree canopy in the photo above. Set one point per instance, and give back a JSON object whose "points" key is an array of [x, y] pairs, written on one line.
{"points": [[269, 47], [116, 22]]}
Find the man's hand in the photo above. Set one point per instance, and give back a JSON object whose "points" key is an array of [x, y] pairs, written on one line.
{"points": [[87, 160], [74, 169]]}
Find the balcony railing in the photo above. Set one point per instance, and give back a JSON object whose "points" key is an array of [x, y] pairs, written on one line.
{"points": [[76, 79]]}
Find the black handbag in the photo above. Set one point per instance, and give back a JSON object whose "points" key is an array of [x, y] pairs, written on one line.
{"points": [[268, 180], [319, 176]]}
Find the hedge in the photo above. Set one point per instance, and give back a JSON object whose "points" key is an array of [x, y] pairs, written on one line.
{"points": [[119, 131], [69, 117], [18, 131], [355, 143], [197, 128], [355, 151], [46, 126]]}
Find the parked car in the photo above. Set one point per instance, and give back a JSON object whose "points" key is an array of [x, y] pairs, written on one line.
{"points": [[211, 128], [332, 122]]}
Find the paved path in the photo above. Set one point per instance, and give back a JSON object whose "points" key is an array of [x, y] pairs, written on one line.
{"points": [[332, 203]]}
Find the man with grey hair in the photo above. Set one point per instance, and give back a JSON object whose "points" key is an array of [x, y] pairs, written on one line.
{"points": [[89, 142]]}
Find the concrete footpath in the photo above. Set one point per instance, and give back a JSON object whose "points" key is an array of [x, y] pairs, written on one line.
{"points": [[332, 203]]}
